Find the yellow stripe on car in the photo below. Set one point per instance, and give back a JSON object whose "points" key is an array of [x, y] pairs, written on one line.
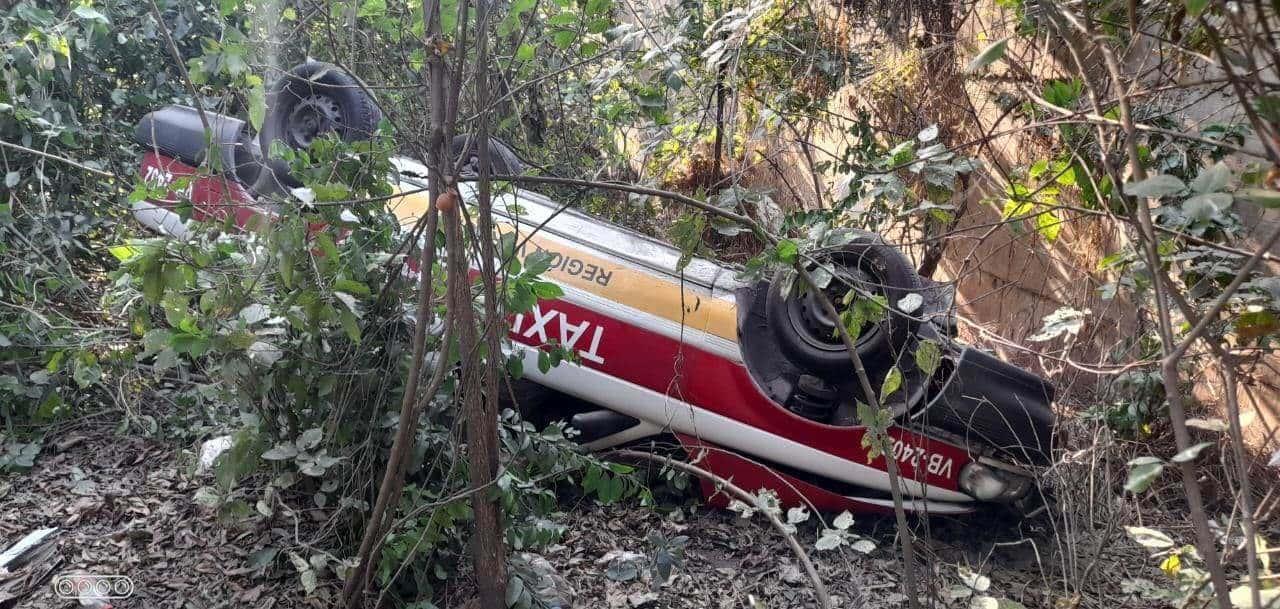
{"points": [[609, 279]]}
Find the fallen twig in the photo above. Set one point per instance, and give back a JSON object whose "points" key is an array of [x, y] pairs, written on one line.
{"points": [[819, 589]]}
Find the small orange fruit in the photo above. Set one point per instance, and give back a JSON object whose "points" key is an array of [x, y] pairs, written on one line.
{"points": [[447, 201]]}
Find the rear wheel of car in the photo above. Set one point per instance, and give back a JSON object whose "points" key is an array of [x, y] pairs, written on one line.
{"points": [[808, 335]]}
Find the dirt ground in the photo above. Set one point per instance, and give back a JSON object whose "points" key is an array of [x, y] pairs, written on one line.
{"points": [[124, 505]]}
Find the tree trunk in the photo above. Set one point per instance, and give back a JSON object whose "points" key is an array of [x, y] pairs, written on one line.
{"points": [[480, 374]]}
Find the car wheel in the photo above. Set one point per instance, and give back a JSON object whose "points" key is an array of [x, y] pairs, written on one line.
{"points": [[311, 100], [314, 99], [808, 336], [502, 159]]}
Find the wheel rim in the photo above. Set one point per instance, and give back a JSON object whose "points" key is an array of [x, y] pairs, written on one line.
{"points": [[313, 116], [809, 318]]}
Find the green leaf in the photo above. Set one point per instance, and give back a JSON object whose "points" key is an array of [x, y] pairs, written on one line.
{"points": [[892, 382], [153, 283], [1073, 176], [564, 19], [537, 263], [563, 39], [546, 290], [86, 371], [1205, 207], [310, 438], [1211, 179], [1015, 208], [525, 52], [928, 357], [281, 452], [156, 339], [829, 540], [261, 559], [372, 8], [330, 192], [686, 234], [238, 461], [515, 587], [1142, 472], [34, 14], [286, 270], [515, 367], [1268, 107], [1065, 320], [520, 297], [598, 7], [257, 95], [1190, 453], [989, 55], [350, 325], [1149, 538], [1254, 324], [1038, 169], [1261, 197], [55, 363], [309, 582], [787, 251], [123, 252], [89, 13], [1195, 7], [1062, 93], [50, 407], [1156, 186], [327, 247], [902, 154], [1048, 225], [352, 287], [448, 15]]}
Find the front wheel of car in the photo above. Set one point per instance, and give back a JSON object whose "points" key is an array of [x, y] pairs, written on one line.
{"points": [[808, 335], [314, 99], [502, 159], [310, 101]]}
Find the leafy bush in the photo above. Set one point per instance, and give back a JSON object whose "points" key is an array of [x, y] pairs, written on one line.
{"points": [[77, 77]]}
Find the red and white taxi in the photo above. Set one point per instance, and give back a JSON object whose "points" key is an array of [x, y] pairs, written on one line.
{"points": [[749, 378]]}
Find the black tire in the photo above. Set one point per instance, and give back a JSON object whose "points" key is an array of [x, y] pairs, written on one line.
{"points": [[807, 336], [523, 396], [315, 98], [274, 179], [318, 92], [502, 159]]}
